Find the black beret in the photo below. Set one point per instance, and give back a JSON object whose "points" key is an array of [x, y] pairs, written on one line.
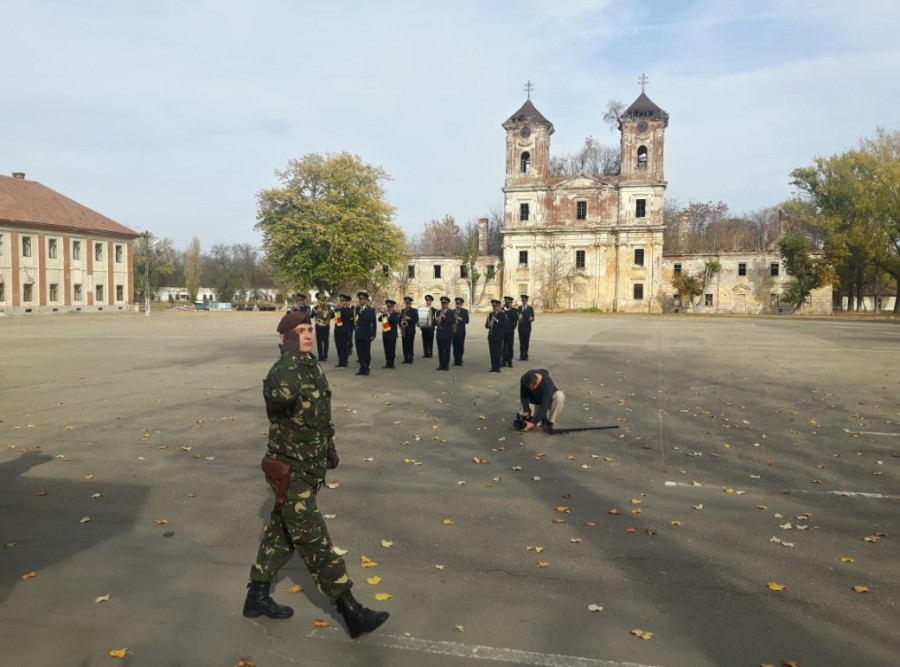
{"points": [[293, 320]]}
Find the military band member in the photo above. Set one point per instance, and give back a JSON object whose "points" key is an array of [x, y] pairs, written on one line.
{"points": [[364, 332], [509, 330], [444, 321], [390, 323], [496, 320], [526, 317], [300, 305], [322, 314], [459, 332], [428, 331], [343, 330], [409, 318]]}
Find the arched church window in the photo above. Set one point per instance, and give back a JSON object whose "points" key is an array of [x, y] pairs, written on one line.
{"points": [[642, 157], [525, 162]]}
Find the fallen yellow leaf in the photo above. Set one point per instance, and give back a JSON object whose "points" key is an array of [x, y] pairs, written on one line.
{"points": [[102, 598], [118, 653], [641, 634], [676, 523], [847, 559], [543, 563], [374, 581], [562, 508], [381, 597], [636, 501], [319, 623], [448, 522], [246, 662], [365, 561], [162, 522], [84, 519], [296, 588], [30, 575], [775, 586], [861, 589]]}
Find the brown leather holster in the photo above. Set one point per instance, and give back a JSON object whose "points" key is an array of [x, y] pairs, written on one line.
{"points": [[278, 475]]}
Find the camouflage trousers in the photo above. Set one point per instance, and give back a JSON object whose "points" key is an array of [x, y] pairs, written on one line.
{"points": [[298, 526]]}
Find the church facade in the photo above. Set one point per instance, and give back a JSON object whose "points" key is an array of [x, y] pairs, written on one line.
{"points": [[585, 241]]}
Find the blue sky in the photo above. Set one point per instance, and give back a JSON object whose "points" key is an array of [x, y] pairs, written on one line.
{"points": [[170, 116]]}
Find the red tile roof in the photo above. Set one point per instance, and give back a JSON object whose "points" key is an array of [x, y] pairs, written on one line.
{"points": [[32, 204]]}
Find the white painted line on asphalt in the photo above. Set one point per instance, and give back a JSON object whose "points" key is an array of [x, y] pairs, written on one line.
{"points": [[458, 650], [861, 494], [847, 430]]}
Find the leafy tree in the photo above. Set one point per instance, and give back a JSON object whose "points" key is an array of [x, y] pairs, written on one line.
{"points": [[808, 272], [854, 198], [592, 158], [693, 286], [328, 223], [154, 261], [193, 269], [223, 272], [441, 237]]}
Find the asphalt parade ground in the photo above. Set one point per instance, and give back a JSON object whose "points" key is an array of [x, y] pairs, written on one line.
{"points": [[745, 512]]}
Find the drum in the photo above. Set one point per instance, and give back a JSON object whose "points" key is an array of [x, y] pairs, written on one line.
{"points": [[425, 318]]}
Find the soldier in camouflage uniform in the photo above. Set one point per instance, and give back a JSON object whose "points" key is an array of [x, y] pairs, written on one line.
{"points": [[298, 405]]}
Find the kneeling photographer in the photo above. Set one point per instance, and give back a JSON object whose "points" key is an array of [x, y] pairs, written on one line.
{"points": [[542, 401]]}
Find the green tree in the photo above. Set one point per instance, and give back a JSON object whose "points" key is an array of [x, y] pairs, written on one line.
{"points": [[469, 259], [154, 261], [808, 272], [854, 199], [694, 286], [193, 269], [328, 223]]}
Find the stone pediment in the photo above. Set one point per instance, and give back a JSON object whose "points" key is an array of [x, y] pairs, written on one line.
{"points": [[742, 287], [581, 180]]}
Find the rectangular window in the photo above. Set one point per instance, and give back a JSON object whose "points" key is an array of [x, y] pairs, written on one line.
{"points": [[54, 292], [410, 270], [51, 248], [463, 271], [27, 292], [76, 249], [677, 268], [581, 210], [523, 211], [638, 256], [773, 270], [640, 208], [120, 293], [26, 247], [76, 292], [707, 300], [2, 292], [98, 293], [118, 254], [638, 291], [742, 268], [98, 252], [437, 270], [523, 258], [773, 301], [579, 259]]}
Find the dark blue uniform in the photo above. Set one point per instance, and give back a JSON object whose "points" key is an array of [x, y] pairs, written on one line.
{"points": [[343, 333], [364, 334], [495, 323], [509, 334], [526, 317], [409, 315], [444, 335], [459, 336], [389, 323]]}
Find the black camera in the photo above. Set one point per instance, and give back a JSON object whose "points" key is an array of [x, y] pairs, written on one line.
{"points": [[520, 421]]}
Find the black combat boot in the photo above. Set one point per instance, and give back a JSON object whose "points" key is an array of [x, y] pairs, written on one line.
{"points": [[359, 620], [260, 603]]}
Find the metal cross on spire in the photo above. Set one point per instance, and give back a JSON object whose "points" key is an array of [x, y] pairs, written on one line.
{"points": [[643, 81], [528, 88]]}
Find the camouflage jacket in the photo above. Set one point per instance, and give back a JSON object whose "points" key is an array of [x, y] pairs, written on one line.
{"points": [[298, 404]]}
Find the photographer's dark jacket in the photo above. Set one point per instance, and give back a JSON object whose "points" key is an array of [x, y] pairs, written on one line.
{"points": [[540, 397]]}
